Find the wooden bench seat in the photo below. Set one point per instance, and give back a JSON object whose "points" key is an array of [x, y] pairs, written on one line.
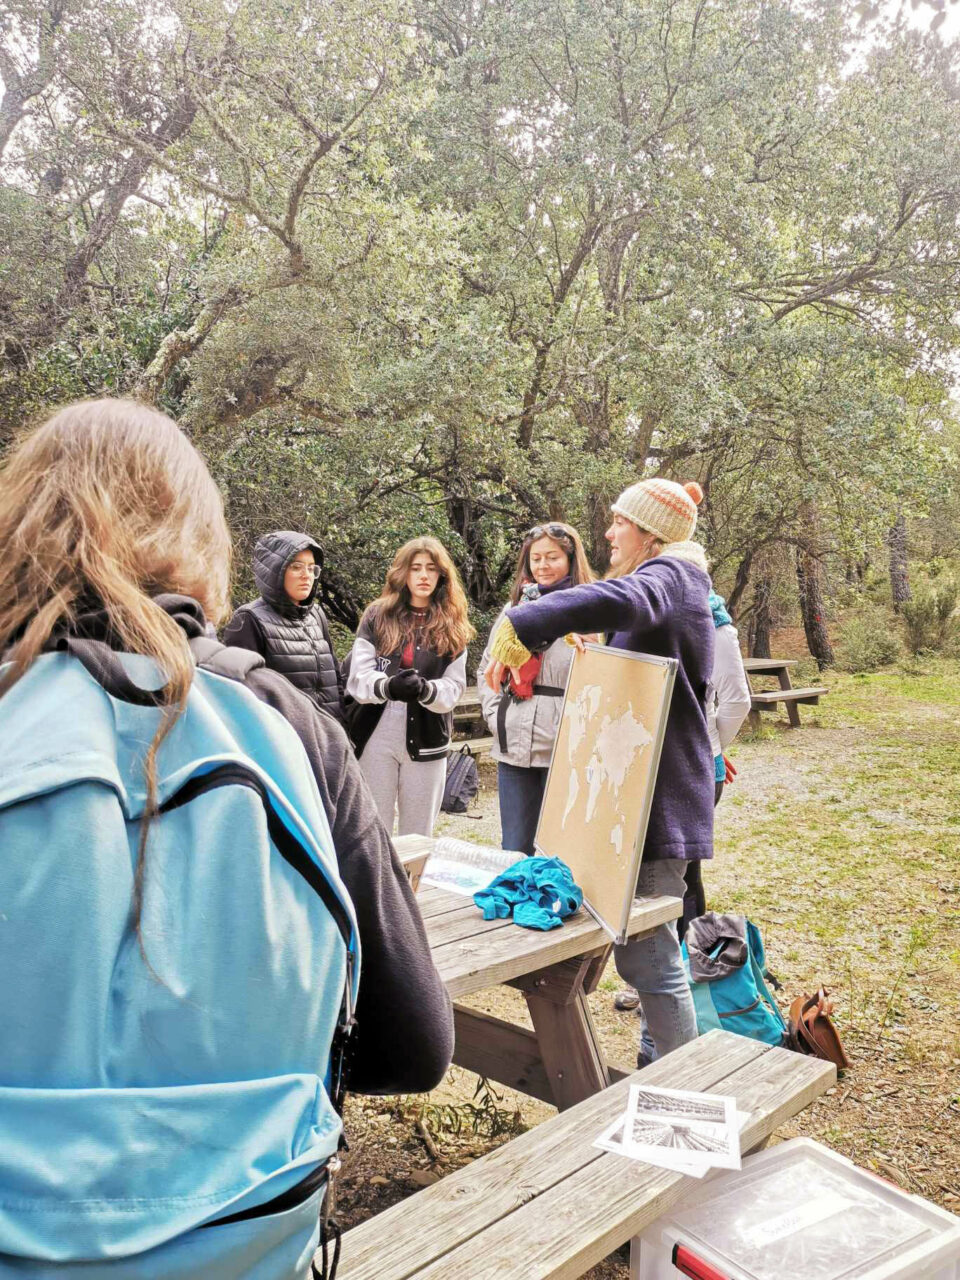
{"points": [[813, 694], [790, 697], [549, 1205]]}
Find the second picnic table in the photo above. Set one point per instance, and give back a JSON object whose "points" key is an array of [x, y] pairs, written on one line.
{"points": [[766, 700], [560, 1061]]}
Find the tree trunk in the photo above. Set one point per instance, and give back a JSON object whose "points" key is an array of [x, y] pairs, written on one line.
{"points": [[897, 549], [337, 602], [479, 581], [760, 623], [131, 178], [811, 607], [593, 415]]}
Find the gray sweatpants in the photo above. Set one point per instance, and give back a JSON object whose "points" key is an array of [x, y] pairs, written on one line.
{"points": [[396, 781]]}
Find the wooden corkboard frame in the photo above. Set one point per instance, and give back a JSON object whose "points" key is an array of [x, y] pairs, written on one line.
{"points": [[627, 696]]}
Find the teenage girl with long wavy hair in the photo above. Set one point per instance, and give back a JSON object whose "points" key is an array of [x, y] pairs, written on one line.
{"points": [[408, 669], [126, 945]]}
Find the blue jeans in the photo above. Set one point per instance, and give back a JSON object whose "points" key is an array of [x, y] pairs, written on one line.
{"points": [[654, 966], [520, 792]]}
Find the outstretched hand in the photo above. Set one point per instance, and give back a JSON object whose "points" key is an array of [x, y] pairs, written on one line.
{"points": [[731, 772]]}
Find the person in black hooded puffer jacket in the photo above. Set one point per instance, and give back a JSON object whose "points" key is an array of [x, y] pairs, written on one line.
{"points": [[286, 624]]}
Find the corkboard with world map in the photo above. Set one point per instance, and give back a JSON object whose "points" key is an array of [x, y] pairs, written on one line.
{"points": [[602, 775]]}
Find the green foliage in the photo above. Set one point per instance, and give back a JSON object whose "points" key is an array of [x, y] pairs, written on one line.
{"points": [[930, 618], [867, 639], [485, 1115], [402, 267]]}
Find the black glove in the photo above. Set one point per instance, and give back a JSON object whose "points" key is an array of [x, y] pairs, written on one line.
{"points": [[406, 686]]}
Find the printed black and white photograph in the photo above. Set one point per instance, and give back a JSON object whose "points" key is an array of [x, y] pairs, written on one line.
{"points": [[676, 1103], [701, 1128]]}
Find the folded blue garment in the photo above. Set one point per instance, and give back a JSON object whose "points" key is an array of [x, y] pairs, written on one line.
{"points": [[540, 893]]}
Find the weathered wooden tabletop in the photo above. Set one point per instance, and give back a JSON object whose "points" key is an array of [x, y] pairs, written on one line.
{"points": [[770, 666], [472, 953]]}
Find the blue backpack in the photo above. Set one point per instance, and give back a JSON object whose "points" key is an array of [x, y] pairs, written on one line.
{"points": [[166, 1093], [724, 959]]}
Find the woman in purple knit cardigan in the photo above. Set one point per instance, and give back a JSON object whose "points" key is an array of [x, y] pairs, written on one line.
{"points": [[654, 600]]}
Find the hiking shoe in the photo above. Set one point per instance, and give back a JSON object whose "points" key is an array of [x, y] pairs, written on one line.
{"points": [[626, 1000]]}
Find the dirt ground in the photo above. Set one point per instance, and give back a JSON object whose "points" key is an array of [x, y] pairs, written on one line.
{"points": [[841, 839]]}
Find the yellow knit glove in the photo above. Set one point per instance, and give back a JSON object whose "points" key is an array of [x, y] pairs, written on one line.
{"points": [[506, 648]]}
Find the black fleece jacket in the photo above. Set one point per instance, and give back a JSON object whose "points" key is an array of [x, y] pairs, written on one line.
{"points": [[404, 1032]]}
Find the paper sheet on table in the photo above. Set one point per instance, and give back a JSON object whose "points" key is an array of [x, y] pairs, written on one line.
{"points": [[677, 1129], [465, 868]]}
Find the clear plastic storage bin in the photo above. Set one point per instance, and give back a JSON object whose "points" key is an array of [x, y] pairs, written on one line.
{"points": [[800, 1210]]}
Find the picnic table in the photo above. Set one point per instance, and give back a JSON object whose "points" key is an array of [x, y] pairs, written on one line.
{"points": [[560, 1061], [767, 700]]}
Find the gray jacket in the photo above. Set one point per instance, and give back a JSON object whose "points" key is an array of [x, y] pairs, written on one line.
{"points": [[530, 724]]}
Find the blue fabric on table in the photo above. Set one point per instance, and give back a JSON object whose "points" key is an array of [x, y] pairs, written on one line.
{"points": [[539, 892]]}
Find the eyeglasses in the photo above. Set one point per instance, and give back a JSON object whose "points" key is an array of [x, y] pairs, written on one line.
{"points": [[304, 570], [555, 531]]}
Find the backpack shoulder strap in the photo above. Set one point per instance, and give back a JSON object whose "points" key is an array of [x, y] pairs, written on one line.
{"points": [[233, 663]]}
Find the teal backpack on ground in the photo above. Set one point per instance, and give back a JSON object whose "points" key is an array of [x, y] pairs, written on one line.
{"points": [[166, 1104], [724, 959]]}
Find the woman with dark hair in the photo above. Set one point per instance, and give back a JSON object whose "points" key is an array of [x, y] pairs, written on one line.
{"points": [[285, 624], [407, 670], [524, 713], [189, 857]]}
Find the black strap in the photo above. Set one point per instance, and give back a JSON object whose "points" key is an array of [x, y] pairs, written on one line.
{"points": [[329, 1231], [505, 700], [104, 664], [109, 672], [506, 697]]}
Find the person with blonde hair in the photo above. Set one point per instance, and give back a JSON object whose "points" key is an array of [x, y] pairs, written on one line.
{"points": [[407, 671], [191, 864], [654, 600], [524, 713]]}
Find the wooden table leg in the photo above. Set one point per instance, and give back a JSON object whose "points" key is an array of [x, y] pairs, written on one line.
{"points": [[793, 711], [566, 1035], [568, 1046]]}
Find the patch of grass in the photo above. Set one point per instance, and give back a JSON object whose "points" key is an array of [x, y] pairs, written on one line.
{"points": [[846, 834]]}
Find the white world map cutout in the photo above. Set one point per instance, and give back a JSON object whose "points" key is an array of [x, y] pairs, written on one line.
{"points": [[603, 772], [614, 751]]}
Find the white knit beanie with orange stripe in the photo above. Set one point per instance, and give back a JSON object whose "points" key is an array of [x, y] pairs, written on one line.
{"points": [[664, 508]]}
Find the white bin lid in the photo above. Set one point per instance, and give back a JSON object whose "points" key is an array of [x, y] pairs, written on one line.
{"points": [[800, 1209]]}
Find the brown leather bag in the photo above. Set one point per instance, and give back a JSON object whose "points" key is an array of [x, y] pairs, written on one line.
{"points": [[812, 1031]]}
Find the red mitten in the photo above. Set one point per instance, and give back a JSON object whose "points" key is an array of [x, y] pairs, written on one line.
{"points": [[522, 679]]}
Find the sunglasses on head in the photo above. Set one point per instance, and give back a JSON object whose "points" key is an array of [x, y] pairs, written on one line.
{"points": [[555, 531]]}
